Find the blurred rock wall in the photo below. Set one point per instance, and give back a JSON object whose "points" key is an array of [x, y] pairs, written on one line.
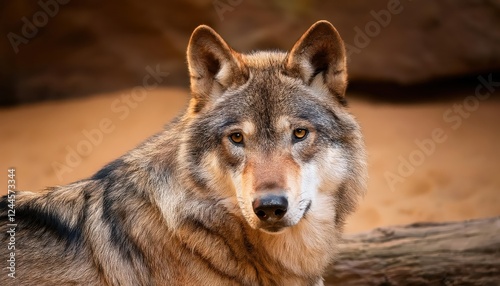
{"points": [[66, 48]]}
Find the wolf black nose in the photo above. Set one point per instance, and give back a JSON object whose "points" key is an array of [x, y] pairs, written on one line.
{"points": [[272, 207]]}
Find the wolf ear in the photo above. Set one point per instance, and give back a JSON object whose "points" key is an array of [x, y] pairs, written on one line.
{"points": [[213, 65], [320, 51]]}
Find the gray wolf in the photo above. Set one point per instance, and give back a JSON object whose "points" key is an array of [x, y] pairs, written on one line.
{"points": [[250, 186]]}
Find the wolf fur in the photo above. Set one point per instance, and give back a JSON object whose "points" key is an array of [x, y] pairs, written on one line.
{"points": [[179, 208]]}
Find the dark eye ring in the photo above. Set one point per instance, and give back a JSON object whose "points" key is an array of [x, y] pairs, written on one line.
{"points": [[236, 138], [300, 134]]}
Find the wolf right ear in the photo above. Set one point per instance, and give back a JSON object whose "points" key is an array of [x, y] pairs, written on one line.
{"points": [[320, 51], [213, 65]]}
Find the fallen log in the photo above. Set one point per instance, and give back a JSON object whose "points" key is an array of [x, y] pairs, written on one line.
{"points": [[457, 253]]}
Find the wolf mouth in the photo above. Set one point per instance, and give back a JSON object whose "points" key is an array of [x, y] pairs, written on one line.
{"points": [[308, 208], [274, 229]]}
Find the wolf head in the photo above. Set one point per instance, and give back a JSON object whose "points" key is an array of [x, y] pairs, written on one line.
{"points": [[269, 131]]}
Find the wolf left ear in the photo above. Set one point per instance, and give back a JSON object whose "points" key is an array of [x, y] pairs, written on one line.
{"points": [[320, 51], [213, 65]]}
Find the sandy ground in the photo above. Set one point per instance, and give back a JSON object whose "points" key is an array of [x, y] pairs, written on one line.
{"points": [[427, 162]]}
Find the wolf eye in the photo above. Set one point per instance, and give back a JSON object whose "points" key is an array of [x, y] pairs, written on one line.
{"points": [[300, 133], [236, 138]]}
